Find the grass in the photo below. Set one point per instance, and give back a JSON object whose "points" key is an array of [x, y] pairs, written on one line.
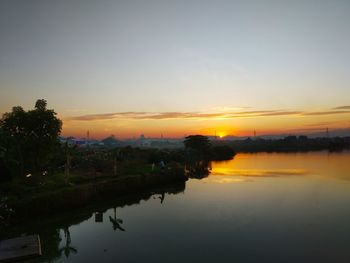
{"points": [[22, 188], [53, 192]]}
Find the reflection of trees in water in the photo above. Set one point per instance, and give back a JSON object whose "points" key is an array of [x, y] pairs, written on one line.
{"points": [[198, 168], [50, 249], [49, 230], [67, 248], [160, 196], [116, 222]]}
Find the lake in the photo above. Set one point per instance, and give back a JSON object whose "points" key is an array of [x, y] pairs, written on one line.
{"points": [[265, 207]]}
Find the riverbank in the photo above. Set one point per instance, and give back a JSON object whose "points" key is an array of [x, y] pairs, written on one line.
{"points": [[70, 196]]}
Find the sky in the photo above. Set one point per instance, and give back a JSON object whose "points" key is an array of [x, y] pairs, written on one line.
{"points": [[179, 67]]}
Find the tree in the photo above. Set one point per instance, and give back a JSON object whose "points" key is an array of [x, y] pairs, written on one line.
{"points": [[222, 152], [68, 152], [198, 143], [117, 155], [110, 141], [6, 160], [13, 135], [197, 155], [33, 135]]}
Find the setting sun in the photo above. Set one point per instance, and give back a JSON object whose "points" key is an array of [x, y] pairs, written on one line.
{"points": [[221, 135]]}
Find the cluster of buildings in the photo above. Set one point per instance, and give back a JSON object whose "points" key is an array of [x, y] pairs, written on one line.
{"points": [[111, 142]]}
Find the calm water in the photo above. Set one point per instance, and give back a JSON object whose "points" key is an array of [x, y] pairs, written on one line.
{"points": [[255, 208]]}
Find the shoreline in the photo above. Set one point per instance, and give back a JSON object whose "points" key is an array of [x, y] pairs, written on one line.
{"points": [[78, 196]]}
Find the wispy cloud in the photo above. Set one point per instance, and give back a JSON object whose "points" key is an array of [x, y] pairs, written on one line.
{"points": [[342, 108], [319, 124], [325, 112], [200, 115], [179, 115]]}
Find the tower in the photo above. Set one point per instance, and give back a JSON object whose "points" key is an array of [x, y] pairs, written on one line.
{"points": [[87, 137]]}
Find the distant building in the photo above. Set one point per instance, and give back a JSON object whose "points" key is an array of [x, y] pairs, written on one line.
{"points": [[110, 141]]}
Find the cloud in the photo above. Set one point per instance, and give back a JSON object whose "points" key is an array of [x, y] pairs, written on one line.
{"points": [[277, 113], [199, 115], [179, 115], [319, 124], [316, 113], [342, 108], [107, 116], [306, 129]]}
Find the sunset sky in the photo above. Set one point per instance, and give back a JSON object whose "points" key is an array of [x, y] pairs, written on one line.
{"points": [[179, 67]]}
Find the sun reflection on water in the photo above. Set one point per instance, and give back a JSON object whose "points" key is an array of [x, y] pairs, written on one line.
{"points": [[258, 172]]}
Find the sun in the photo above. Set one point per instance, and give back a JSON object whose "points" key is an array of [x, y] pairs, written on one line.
{"points": [[221, 135]]}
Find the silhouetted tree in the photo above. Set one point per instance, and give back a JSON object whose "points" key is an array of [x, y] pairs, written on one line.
{"points": [[117, 155], [31, 135], [222, 152], [6, 160], [69, 150], [198, 143], [110, 141], [197, 155]]}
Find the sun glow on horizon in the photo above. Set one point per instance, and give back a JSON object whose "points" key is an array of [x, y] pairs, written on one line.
{"points": [[251, 123], [221, 135]]}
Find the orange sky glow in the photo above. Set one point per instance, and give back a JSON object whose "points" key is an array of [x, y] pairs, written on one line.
{"points": [[178, 124]]}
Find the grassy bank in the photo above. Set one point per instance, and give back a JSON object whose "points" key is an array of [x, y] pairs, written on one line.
{"points": [[55, 194]]}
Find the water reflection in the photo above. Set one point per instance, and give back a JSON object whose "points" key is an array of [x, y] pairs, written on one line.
{"points": [[98, 217], [225, 180], [116, 222], [161, 197], [255, 208], [55, 232], [258, 172], [198, 169], [67, 249], [285, 164]]}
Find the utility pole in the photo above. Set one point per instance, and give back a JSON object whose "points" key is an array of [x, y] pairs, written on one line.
{"points": [[87, 138]]}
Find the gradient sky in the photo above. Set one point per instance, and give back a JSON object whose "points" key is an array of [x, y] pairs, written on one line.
{"points": [[179, 67]]}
